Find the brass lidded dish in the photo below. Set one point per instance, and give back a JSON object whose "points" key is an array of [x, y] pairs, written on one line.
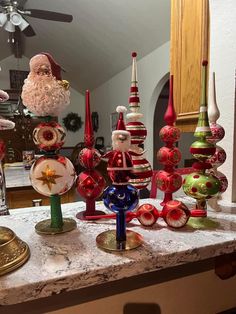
{"points": [[13, 251]]}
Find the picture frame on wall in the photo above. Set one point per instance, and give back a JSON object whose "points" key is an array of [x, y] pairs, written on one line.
{"points": [[17, 78], [113, 120]]}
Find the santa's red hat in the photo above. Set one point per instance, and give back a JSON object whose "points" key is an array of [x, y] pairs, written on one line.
{"points": [[120, 127], [55, 67]]}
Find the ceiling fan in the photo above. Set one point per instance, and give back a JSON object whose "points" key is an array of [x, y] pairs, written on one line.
{"points": [[12, 16]]}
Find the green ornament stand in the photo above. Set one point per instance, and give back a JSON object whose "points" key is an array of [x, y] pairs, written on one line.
{"points": [[57, 224]]}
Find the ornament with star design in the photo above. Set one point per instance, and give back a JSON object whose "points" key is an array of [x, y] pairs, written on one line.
{"points": [[52, 175], [90, 184]]}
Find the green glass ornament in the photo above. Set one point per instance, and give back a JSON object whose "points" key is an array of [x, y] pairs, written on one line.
{"points": [[200, 185]]}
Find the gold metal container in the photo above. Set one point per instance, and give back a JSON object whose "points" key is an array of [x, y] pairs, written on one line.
{"points": [[13, 251]]}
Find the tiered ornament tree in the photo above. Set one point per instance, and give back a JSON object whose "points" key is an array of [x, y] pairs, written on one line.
{"points": [[142, 171], [218, 134], [168, 180], [46, 95], [13, 251], [90, 183], [201, 185], [120, 197]]}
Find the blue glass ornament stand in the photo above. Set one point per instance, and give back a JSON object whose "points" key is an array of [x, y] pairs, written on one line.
{"points": [[120, 199]]}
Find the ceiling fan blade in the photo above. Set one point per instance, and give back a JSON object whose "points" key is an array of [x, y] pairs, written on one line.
{"points": [[49, 15], [29, 31]]}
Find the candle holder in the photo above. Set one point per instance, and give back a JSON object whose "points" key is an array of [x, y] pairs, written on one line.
{"points": [[218, 134], [142, 170], [90, 183], [13, 251], [45, 94], [120, 197], [199, 184], [168, 180]]}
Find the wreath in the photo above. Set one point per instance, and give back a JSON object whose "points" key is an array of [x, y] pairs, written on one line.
{"points": [[72, 122]]}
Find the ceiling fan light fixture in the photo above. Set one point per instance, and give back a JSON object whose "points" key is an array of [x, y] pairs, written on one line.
{"points": [[24, 24], [9, 27], [15, 18], [3, 19]]}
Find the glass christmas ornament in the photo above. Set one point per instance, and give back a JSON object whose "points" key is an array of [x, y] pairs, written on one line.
{"points": [[175, 214], [142, 170], [218, 134], [52, 175], [45, 94], [169, 156], [89, 158], [169, 133], [147, 215], [120, 197], [49, 136], [168, 180], [201, 185], [90, 183]]}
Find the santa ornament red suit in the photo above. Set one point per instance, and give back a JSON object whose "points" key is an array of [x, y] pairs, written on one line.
{"points": [[119, 160]]}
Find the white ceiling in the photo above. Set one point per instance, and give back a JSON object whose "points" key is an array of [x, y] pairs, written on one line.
{"points": [[98, 43]]}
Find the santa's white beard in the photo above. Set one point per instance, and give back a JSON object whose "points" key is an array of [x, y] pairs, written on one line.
{"points": [[117, 144], [44, 96]]}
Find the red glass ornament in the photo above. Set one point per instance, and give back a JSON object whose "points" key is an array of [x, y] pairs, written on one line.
{"points": [[90, 184], [169, 156], [168, 182], [49, 136], [169, 134], [175, 214], [89, 158], [147, 215]]}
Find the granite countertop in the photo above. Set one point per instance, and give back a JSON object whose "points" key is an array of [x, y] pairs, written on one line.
{"points": [[16, 177], [72, 261]]}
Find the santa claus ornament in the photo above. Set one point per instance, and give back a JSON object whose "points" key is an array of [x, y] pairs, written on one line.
{"points": [[168, 180], [90, 183], [120, 197], [199, 184], [45, 94], [142, 171]]}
